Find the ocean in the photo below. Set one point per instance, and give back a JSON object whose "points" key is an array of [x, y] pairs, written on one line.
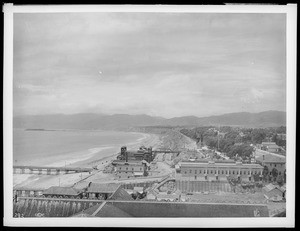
{"points": [[63, 148]]}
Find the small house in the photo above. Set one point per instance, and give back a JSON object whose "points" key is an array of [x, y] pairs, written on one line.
{"points": [[62, 192], [167, 197], [271, 191], [101, 191]]}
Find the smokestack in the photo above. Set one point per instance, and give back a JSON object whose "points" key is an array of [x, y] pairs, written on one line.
{"points": [[263, 157], [123, 151]]}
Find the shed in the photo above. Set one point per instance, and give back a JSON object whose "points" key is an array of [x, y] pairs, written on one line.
{"points": [[62, 191], [151, 196], [121, 195], [139, 190], [271, 191], [101, 191], [167, 197], [138, 174], [102, 188]]}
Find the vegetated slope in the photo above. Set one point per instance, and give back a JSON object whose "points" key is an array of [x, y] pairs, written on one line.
{"points": [[262, 119]]}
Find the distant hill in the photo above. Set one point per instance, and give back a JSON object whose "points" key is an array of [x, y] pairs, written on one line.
{"points": [[84, 121], [123, 121], [262, 119]]}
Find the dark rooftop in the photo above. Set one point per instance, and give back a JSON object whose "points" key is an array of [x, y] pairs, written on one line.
{"points": [[56, 190], [269, 158], [179, 209], [102, 188], [120, 194]]}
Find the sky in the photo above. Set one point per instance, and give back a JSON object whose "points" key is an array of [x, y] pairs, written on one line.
{"points": [[159, 64]]}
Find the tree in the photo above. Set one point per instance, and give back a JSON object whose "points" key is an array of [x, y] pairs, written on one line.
{"points": [[274, 173], [280, 180], [265, 173], [258, 135], [275, 138], [281, 129], [256, 177], [242, 151], [211, 142]]}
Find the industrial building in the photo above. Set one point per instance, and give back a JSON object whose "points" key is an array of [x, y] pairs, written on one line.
{"points": [[218, 171], [142, 153], [131, 169], [132, 164]]}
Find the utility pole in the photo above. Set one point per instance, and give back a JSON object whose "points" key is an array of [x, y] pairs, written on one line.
{"points": [[218, 137]]}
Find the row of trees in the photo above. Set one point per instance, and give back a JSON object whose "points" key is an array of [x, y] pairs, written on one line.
{"points": [[245, 135], [236, 141], [275, 177]]}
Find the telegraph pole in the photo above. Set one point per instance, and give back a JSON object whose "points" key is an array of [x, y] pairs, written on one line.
{"points": [[218, 137]]}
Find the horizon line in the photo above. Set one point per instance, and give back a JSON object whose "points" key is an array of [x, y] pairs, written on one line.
{"points": [[104, 114]]}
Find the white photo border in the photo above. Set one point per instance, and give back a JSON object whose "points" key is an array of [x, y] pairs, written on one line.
{"points": [[291, 27]]}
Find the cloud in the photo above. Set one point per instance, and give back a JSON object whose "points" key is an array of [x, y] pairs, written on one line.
{"points": [[160, 64], [254, 96]]}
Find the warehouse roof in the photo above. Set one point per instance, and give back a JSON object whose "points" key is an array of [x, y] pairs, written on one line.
{"points": [[269, 158], [179, 209], [121, 194], [231, 165], [102, 188], [56, 190]]}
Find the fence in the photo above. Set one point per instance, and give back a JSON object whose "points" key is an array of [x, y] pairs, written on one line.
{"points": [[202, 186], [30, 207], [140, 184]]}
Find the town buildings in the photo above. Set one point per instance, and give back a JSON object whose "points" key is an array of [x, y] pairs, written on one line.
{"points": [[274, 192], [218, 171], [63, 192], [270, 147], [101, 191], [131, 169], [132, 164], [272, 161], [142, 153]]}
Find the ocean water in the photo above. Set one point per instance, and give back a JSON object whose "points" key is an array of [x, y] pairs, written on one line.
{"points": [[59, 148]]}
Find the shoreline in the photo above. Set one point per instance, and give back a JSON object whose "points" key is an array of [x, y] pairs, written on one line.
{"points": [[107, 155]]}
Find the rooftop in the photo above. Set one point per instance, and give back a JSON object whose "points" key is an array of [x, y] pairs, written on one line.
{"points": [[167, 196], [102, 188], [177, 209], [268, 143], [270, 187], [201, 164], [207, 160], [130, 162], [121, 194], [269, 158], [56, 190]]}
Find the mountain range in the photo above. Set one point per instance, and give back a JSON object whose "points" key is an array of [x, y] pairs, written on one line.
{"points": [[123, 121]]}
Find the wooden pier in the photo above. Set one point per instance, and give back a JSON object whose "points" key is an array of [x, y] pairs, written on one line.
{"points": [[48, 170]]}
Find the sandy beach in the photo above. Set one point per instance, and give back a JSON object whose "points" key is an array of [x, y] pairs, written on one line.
{"points": [[81, 160]]}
